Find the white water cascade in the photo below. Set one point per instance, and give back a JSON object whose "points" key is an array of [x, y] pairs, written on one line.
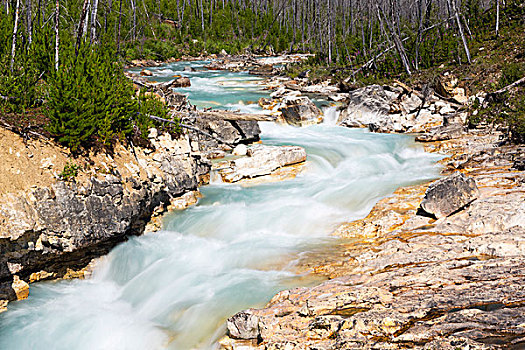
{"points": [[235, 249]]}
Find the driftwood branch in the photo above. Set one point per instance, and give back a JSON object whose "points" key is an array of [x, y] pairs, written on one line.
{"points": [[227, 115], [510, 86], [192, 128]]}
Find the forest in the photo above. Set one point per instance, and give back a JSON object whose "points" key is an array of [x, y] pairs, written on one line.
{"points": [[62, 57]]}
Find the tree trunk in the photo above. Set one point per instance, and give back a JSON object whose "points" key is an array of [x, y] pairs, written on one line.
{"points": [[119, 26], [460, 28], [15, 33], [329, 34], [29, 22], [421, 13], [134, 15], [57, 37], [497, 18], [397, 41], [81, 26], [94, 22]]}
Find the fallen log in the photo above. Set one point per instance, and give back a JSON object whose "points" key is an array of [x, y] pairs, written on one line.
{"points": [[192, 128], [510, 86], [227, 115]]}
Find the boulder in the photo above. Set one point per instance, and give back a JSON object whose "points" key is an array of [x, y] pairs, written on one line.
{"points": [[240, 150], [264, 70], [301, 111], [410, 103], [262, 160], [146, 73], [449, 195], [243, 325], [442, 133], [189, 69], [233, 132], [181, 82]]}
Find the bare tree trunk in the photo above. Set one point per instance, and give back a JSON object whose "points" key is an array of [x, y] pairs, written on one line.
{"points": [[134, 28], [397, 41], [94, 21], [81, 26], [421, 13], [329, 34], [202, 15], [15, 33], [497, 18], [57, 37], [119, 25], [460, 28], [29, 22]]}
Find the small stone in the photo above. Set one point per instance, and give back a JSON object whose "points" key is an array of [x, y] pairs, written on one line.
{"points": [[146, 73], [153, 133], [240, 150], [20, 287], [243, 325]]}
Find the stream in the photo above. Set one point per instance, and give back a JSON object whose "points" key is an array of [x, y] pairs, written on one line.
{"points": [[235, 249]]}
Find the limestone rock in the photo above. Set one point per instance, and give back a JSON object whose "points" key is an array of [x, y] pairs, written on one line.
{"points": [[64, 225], [21, 288], [233, 132], [243, 325], [261, 160], [240, 150], [264, 70], [181, 82], [442, 133], [301, 111], [146, 73], [449, 195]]}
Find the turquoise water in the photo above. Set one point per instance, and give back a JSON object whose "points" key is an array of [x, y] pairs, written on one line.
{"points": [[234, 250], [214, 89]]}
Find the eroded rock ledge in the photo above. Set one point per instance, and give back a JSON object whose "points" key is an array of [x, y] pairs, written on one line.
{"points": [[53, 226], [403, 280], [49, 229]]}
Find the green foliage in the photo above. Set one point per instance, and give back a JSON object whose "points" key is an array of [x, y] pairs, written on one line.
{"points": [[90, 101], [511, 73], [70, 172], [506, 109]]}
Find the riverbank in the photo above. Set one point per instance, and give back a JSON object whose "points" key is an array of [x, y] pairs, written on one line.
{"points": [[402, 279], [393, 232]]}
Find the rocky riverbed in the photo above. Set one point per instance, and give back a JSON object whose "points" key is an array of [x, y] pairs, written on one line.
{"points": [[404, 278], [433, 266]]}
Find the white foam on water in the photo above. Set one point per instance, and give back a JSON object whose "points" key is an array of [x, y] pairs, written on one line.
{"points": [[174, 289]]}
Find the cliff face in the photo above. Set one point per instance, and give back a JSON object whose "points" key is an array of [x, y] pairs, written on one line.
{"points": [[50, 226]]}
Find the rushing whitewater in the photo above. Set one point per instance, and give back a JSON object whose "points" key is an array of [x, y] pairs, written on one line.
{"points": [[234, 250]]}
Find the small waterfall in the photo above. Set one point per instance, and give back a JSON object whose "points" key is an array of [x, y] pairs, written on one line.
{"points": [[331, 115]]}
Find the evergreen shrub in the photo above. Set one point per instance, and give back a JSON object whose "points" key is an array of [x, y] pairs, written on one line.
{"points": [[91, 101]]}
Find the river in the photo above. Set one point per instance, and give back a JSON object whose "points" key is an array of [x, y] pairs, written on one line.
{"points": [[235, 249]]}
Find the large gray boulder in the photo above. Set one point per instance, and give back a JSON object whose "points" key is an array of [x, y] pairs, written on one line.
{"points": [[243, 325], [448, 195], [301, 111], [233, 132]]}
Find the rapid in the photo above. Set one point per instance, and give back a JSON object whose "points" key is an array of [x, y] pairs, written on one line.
{"points": [[235, 249]]}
